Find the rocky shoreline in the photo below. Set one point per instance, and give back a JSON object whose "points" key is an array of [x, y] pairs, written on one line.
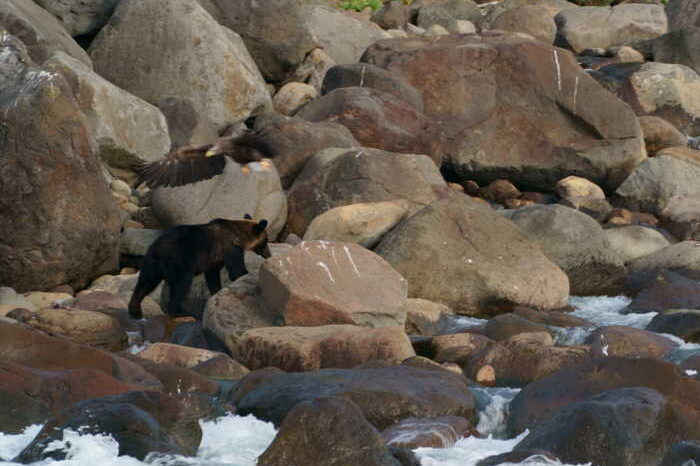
{"points": [[483, 223]]}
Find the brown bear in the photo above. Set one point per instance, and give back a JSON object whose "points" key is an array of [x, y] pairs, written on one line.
{"points": [[188, 250]]}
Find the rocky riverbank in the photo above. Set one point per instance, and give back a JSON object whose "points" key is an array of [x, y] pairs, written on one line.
{"points": [[483, 223]]}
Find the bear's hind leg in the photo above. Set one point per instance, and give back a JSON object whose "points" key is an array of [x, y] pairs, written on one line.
{"points": [[179, 283], [150, 277]]}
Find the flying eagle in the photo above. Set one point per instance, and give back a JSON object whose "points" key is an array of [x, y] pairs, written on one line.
{"points": [[189, 164]]}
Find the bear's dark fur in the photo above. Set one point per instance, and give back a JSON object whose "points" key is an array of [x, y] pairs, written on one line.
{"points": [[188, 250]]}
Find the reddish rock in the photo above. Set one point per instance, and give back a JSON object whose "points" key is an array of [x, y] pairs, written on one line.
{"points": [[618, 340], [660, 134], [176, 379], [177, 355], [319, 283], [221, 367], [428, 432], [500, 191], [505, 326]]}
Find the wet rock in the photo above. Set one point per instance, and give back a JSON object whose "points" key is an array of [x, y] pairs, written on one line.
{"points": [[366, 75], [634, 242], [435, 432], [459, 348], [379, 120], [635, 83], [551, 318], [577, 244], [69, 227], [466, 264], [39, 30], [335, 178], [515, 457], [659, 134], [87, 327], [385, 395], [295, 140], [327, 430], [30, 396], [505, 326], [175, 66], [140, 422], [483, 117], [668, 290], [680, 322], [626, 426], [293, 96], [681, 217], [543, 398], [534, 20], [363, 223], [298, 349], [319, 283], [619, 340]]}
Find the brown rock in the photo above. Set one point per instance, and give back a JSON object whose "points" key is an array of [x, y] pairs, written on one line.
{"points": [[177, 355], [574, 186], [619, 340], [336, 178], [221, 367], [428, 432], [667, 290], [505, 326], [551, 318], [87, 327], [293, 96], [97, 301], [298, 349], [500, 191], [177, 379], [424, 317], [460, 347], [534, 20], [660, 134], [320, 283], [681, 217]]}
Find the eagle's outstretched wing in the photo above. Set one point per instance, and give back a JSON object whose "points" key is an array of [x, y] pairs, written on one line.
{"points": [[181, 166]]}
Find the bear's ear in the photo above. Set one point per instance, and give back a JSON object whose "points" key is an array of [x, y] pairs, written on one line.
{"points": [[247, 217], [260, 227]]}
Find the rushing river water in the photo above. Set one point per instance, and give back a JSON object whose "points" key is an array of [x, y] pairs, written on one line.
{"points": [[238, 441]]}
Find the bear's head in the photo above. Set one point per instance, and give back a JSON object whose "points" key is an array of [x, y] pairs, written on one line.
{"points": [[248, 233]]}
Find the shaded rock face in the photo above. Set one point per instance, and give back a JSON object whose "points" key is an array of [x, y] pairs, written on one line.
{"points": [[603, 27], [141, 422], [681, 47], [681, 217], [463, 254], [230, 195], [626, 426], [660, 134], [682, 13], [682, 258], [668, 290], [336, 178], [676, 101], [481, 90], [80, 17], [134, 33], [577, 244], [682, 453], [299, 349], [281, 33], [378, 119], [294, 141], [57, 213], [327, 430], [385, 395], [682, 323], [542, 399], [30, 396], [366, 75], [39, 30], [628, 342], [125, 128], [320, 283]]}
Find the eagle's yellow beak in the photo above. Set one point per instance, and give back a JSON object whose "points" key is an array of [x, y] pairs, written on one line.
{"points": [[210, 153]]}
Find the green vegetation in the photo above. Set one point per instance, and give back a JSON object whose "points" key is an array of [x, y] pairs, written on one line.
{"points": [[359, 5]]}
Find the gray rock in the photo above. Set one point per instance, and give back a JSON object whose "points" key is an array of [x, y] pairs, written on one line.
{"points": [[39, 30], [682, 258], [185, 124], [681, 217], [577, 244], [183, 65], [136, 241], [126, 128], [80, 16], [634, 242], [681, 46], [682, 13], [682, 323], [534, 20], [602, 27], [230, 195], [446, 13]]}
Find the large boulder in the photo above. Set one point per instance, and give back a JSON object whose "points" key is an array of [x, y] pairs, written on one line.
{"points": [[683, 323], [482, 90], [281, 33], [681, 46], [294, 141], [682, 258], [67, 230], [327, 430], [635, 241], [577, 244], [630, 342], [126, 128], [336, 178], [626, 427], [543, 398], [230, 195], [87, 327], [681, 217], [204, 62], [446, 13], [668, 290], [660, 134], [378, 119], [319, 283], [534, 20], [366, 75], [363, 223], [461, 253], [682, 13], [602, 27], [658, 179], [298, 349], [80, 17], [676, 101], [39, 30], [385, 395]]}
